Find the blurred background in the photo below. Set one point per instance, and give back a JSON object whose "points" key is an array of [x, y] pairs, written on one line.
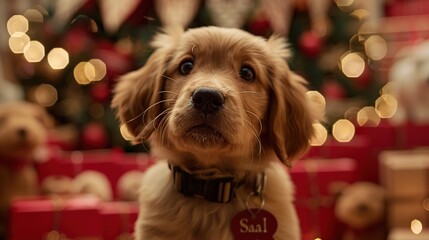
{"points": [[366, 61], [66, 55]]}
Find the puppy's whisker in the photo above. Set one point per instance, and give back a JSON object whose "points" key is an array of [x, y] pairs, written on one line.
{"points": [[158, 116], [177, 94], [259, 120], [153, 105], [170, 78]]}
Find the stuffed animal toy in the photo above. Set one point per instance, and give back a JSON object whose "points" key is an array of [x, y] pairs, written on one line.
{"points": [[409, 75], [92, 182], [23, 134], [362, 208], [86, 182], [128, 185]]}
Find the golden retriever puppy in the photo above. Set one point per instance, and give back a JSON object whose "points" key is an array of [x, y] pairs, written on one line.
{"points": [[222, 107], [23, 133]]}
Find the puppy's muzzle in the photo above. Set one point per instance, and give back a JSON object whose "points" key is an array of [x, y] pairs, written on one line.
{"points": [[207, 100]]}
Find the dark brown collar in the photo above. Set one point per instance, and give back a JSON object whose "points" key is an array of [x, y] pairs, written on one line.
{"points": [[213, 189], [217, 189]]}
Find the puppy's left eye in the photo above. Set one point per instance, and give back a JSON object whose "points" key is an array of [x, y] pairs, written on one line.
{"points": [[186, 67], [247, 73]]}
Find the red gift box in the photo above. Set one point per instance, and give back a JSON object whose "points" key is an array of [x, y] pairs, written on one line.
{"points": [[316, 181], [113, 164], [74, 217], [415, 135], [118, 219], [359, 148]]}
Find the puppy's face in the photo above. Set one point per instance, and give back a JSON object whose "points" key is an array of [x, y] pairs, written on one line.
{"points": [[217, 92], [23, 128]]}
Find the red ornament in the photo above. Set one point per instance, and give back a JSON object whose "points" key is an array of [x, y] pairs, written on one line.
{"points": [[100, 92], [260, 26], [333, 90], [94, 136], [310, 44]]}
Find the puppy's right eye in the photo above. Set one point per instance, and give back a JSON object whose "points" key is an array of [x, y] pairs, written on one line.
{"points": [[186, 67]]}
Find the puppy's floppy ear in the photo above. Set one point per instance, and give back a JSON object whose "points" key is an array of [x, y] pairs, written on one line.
{"points": [[137, 94], [290, 117]]}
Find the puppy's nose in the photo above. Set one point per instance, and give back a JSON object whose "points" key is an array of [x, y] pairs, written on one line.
{"points": [[22, 133], [207, 100]]}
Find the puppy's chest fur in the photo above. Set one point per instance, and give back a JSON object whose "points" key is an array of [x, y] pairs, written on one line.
{"points": [[167, 214]]}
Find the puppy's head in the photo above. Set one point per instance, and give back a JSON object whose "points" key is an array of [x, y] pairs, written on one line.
{"points": [[23, 128], [218, 96]]}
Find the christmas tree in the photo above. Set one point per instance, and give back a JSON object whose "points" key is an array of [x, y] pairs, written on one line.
{"points": [[89, 43]]}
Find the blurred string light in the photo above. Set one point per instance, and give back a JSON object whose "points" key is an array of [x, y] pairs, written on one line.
{"points": [[45, 94], [34, 15], [343, 130], [320, 135], [58, 58], [390, 88], [17, 24], [34, 51], [95, 69], [352, 65], [416, 226], [386, 106], [344, 3], [426, 204], [87, 72], [360, 14], [375, 47], [368, 116], [318, 99], [17, 42], [126, 133]]}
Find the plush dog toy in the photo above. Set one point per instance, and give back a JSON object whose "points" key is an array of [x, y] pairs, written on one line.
{"points": [[23, 133], [410, 77], [362, 207]]}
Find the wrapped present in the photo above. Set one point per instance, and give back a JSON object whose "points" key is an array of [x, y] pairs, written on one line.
{"points": [[55, 218], [382, 137], [316, 182], [415, 136], [118, 220], [408, 234], [359, 148], [113, 164], [405, 175]]}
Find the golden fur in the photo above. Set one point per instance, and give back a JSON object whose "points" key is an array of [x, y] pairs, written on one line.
{"points": [[260, 121], [23, 129]]}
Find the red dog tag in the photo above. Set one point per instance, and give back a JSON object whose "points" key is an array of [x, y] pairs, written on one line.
{"points": [[254, 224]]}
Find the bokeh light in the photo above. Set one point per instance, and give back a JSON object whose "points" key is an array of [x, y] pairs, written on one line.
{"points": [[58, 58], [376, 47], [386, 106], [320, 135], [126, 133], [368, 116], [17, 24], [34, 15], [80, 75], [352, 65], [95, 70], [18, 41], [343, 130], [318, 99], [416, 226], [34, 51], [344, 3], [46, 95]]}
